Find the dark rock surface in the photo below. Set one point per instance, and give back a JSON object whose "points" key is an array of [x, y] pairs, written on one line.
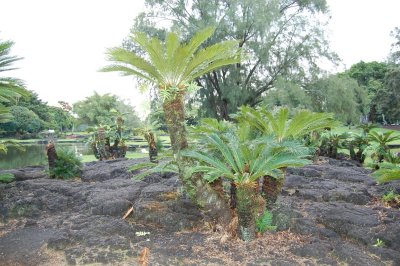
{"points": [[330, 207]]}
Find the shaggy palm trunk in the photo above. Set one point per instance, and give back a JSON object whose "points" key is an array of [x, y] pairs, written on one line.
{"points": [[245, 208], [195, 185], [52, 158], [153, 153], [271, 189]]}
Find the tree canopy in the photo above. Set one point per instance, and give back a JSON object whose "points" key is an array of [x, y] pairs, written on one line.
{"points": [[101, 109], [281, 38]]}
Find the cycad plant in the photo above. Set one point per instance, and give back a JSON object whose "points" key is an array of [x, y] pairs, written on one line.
{"points": [[357, 146], [279, 124], [172, 66], [244, 163], [331, 143], [10, 88], [148, 131], [380, 144]]}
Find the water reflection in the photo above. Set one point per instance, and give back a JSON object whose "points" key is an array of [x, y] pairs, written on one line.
{"points": [[35, 154]]}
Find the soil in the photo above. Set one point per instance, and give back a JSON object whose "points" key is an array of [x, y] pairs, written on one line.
{"points": [[329, 213]]}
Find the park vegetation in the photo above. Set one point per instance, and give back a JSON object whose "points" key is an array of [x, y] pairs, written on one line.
{"points": [[250, 88]]}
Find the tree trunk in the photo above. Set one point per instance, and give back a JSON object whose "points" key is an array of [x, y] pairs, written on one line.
{"points": [[52, 158], [153, 152], [195, 185], [246, 204], [271, 189]]}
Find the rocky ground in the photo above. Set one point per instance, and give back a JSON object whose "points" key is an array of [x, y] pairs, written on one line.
{"points": [[329, 214]]}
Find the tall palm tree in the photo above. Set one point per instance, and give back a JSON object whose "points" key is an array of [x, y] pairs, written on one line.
{"points": [[172, 66]]}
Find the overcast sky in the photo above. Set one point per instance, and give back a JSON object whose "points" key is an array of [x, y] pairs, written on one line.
{"points": [[63, 41]]}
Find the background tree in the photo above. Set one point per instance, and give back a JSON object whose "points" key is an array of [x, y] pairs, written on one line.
{"points": [[340, 95], [282, 39], [24, 121], [389, 102], [97, 109], [394, 56], [60, 119], [371, 76], [288, 94]]}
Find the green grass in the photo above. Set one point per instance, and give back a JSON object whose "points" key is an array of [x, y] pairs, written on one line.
{"points": [[129, 155]]}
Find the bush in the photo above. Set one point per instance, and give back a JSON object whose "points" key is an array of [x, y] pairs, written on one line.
{"points": [[6, 178], [68, 165], [264, 222]]}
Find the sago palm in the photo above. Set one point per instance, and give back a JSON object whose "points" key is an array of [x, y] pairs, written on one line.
{"points": [[171, 66], [281, 125], [244, 163], [380, 143], [10, 88]]}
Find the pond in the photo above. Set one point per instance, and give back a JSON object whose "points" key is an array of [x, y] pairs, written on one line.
{"points": [[35, 154]]}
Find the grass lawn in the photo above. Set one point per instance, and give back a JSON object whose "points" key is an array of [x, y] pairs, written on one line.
{"points": [[129, 155]]}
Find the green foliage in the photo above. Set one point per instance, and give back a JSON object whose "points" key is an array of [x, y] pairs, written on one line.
{"points": [[281, 125], [379, 243], [281, 38], [6, 177], [387, 173], [389, 101], [391, 196], [331, 142], [245, 161], [371, 76], [264, 222], [98, 109], [172, 66], [288, 94], [24, 121], [340, 95], [108, 141], [380, 144], [68, 165], [11, 89]]}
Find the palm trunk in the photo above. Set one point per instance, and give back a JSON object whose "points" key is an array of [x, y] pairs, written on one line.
{"points": [[195, 185], [52, 158], [246, 204], [271, 189], [153, 153]]}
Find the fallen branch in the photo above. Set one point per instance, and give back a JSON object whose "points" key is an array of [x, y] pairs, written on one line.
{"points": [[144, 257], [128, 212]]}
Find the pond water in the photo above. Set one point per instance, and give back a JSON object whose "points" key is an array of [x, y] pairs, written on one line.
{"points": [[35, 154]]}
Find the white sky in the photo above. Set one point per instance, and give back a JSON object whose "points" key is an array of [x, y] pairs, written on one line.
{"points": [[63, 41]]}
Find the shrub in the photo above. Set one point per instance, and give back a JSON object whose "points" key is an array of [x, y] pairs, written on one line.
{"points": [[264, 222], [6, 178], [68, 165], [391, 199]]}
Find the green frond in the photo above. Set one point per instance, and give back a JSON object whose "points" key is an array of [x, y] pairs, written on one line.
{"points": [[126, 71], [225, 150], [210, 160]]}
